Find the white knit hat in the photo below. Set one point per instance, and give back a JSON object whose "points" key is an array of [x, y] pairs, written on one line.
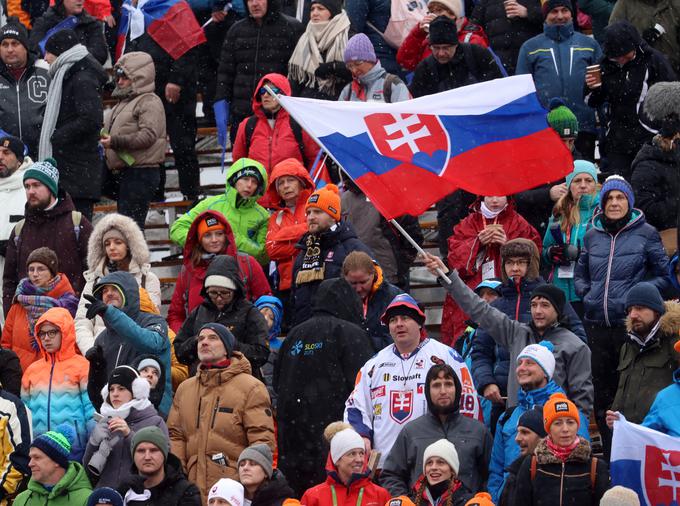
{"points": [[343, 442], [229, 490], [220, 282], [620, 496], [443, 449], [542, 354]]}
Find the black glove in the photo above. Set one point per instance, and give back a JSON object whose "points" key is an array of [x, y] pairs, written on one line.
{"points": [[95, 307], [324, 70], [95, 355], [187, 352], [652, 34], [556, 255]]}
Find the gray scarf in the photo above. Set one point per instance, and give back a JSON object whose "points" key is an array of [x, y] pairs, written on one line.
{"points": [[57, 71]]}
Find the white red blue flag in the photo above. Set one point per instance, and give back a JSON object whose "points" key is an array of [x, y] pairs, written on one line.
{"points": [[490, 138], [646, 461]]}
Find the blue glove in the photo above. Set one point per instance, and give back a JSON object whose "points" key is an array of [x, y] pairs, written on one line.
{"points": [[221, 110]]}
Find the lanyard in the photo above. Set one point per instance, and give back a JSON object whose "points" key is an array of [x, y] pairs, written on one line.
{"points": [[335, 497]]}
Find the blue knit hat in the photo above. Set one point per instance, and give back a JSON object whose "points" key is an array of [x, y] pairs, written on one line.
{"points": [[646, 295], [105, 495], [582, 167], [360, 48], [616, 182], [56, 444], [532, 419], [276, 307], [224, 334]]}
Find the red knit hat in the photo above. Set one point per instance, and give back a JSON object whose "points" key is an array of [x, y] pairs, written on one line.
{"points": [[327, 199]]}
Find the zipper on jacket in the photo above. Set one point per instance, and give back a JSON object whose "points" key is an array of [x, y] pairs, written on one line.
{"points": [[214, 413], [562, 484], [519, 296], [19, 107], [198, 414], [120, 348], [609, 270], [49, 394]]}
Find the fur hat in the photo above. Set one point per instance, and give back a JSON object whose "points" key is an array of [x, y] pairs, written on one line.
{"points": [[662, 105], [522, 248], [558, 406], [45, 256]]}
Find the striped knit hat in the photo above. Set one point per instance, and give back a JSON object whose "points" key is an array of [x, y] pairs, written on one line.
{"points": [[56, 444]]}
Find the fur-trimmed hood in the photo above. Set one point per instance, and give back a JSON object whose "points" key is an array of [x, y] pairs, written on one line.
{"points": [[521, 248], [581, 453], [670, 320], [139, 252]]}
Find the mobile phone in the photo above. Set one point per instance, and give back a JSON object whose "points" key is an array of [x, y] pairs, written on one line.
{"points": [[98, 417]]}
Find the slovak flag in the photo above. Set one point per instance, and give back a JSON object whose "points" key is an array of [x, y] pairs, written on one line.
{"points": [[490, 138], [646, 461], [170, 23]]}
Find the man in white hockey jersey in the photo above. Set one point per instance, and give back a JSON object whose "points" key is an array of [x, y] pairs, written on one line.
{"points": [[390, 387]]}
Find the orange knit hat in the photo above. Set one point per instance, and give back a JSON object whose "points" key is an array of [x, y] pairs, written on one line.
{"points": [[558, 406], [481, 499], [327, 199], [209, 224], [677, 345], [402, 500]]}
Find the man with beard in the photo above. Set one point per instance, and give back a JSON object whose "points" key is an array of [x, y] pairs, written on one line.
{"points": [[12, 164], [647, 359], [50, 220], [442, 420]]}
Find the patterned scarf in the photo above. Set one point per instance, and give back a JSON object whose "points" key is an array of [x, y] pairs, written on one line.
{"points": [[560, 452], [313, 267], [329, 37], [35, 302]]}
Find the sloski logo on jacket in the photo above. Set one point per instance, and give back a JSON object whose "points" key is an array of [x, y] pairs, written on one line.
{"points": [[401, 405]]}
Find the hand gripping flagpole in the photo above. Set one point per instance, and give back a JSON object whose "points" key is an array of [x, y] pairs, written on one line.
{"points": [[394, 222]]}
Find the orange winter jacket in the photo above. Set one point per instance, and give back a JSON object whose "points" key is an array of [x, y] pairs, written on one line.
{"points": [[15, 334], [286, 227]]}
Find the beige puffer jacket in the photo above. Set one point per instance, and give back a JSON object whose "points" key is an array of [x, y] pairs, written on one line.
{"points": [[137, 123], [219, 411]]}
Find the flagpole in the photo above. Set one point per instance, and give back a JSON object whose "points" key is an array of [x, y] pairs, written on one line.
{"points": [[401, 230]]}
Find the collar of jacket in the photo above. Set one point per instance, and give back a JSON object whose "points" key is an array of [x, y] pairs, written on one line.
{"points": [[537, 397], [559, 33], [581, 453], [218, 377]]}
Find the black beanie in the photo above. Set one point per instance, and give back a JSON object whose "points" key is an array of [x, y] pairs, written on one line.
{"points": [[552, 4], [532, 419], [443, 31], [12, 143], [123, 375], [334, 6], [61, 42], [224, 334], [620, 38], [14, 30], [553, 294]]}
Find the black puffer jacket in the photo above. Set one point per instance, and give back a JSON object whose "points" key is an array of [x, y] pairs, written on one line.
{"points": [[506, 35], [241, 317], [75, 141], [656, 181], [558, 484], [21, 113], [251, 51], [273, 491], [470, 64], [89, 30], [623, 88], [174, 490], [317, 366]]}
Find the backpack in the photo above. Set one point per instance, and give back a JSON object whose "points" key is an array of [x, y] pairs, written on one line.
{"points": [[593, 470], [251, 123], [76, 218], [404, 15]]}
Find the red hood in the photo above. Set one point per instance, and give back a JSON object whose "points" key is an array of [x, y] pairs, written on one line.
{"points": [[278, 80], [192, 235], [289, 167]]}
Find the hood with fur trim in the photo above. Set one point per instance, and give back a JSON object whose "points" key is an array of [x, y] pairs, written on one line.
{"points": [[137, 247], [521, 248], [61, 318], [670, 320]]}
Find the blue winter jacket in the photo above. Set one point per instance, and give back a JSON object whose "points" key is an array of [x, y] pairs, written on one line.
{"points": [[377, 13], [557, 59], [610, 265], [664, 415], [491, 361], [505, 450], [587, 205]]}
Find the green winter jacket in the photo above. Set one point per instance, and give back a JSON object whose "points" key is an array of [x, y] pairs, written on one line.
{"points": [[72, 490], [247, 218]]}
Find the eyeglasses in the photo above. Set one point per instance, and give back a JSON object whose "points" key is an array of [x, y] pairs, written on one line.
{"points": [[48, 333], [263, 90], [220, 294], [354, 64], [518, 263]]}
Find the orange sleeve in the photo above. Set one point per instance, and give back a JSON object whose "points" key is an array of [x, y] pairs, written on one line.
{"points": [[14, 9]]}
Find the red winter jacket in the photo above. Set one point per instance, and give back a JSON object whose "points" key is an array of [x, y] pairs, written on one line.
{"points": [[416, 46], [464, 247], [321, 495], [268, 145], [285, 226], [187, 294]]}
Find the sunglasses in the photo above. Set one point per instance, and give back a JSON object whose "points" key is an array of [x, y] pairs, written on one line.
{"points": [[263, 90]]}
